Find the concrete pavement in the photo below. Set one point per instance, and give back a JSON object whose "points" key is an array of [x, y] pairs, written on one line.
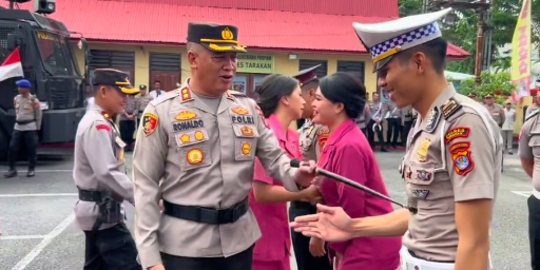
{"points": [[37, 230]]}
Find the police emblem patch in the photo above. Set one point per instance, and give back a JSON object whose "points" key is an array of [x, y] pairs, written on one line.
{"points": [[194, 156], [199, 135], [322, 142], [459, 146], [149, 123], [459, 132], [463, 163], [247, 131]]}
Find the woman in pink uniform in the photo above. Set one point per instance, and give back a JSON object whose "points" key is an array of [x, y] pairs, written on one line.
{"points": [[280, 100], [339, 101]]}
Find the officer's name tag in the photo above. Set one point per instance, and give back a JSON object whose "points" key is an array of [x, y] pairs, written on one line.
{"points": [[119, 142]]}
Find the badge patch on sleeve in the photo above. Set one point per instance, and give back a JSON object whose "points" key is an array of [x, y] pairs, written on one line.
{"points": [[459, 132], [150, 122], [463, 163], [322, 142]]}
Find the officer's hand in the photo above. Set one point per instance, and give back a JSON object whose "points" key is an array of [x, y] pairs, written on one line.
{"points": [[331, 224], [306, 173], [157, 267], [316, 247]]}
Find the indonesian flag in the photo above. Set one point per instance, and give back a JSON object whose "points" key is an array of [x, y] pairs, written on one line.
{"points": [[12, 66]]}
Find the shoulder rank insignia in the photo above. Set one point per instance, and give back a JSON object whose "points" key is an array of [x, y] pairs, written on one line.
{"points": [[185, 94], [450, 107], [149, 123], [531, 115], [432, 120]]}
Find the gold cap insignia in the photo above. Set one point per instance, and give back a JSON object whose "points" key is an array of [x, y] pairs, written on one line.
{"points": [[226, 34]]}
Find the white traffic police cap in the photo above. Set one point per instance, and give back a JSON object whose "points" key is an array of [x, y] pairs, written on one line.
{"points": [[384, 40]]}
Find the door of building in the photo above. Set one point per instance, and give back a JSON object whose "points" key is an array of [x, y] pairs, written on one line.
{"points": [[166, 68]]}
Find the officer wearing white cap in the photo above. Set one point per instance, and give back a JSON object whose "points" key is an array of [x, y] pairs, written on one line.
{"points": [[453, 159], [100, 176], [28, 117]]}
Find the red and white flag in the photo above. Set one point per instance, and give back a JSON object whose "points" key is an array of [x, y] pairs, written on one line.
{"points": [[12, 66]]}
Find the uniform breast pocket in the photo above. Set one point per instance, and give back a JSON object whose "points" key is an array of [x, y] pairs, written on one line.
{"points": [[534, 143], [194, 149], [430, 194], [245, 142]]}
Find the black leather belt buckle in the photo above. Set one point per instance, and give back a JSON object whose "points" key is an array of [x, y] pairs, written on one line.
{"points": [[209, 216]]}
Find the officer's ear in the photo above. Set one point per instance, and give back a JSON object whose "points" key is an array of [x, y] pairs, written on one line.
{"points": [[339, 107], [100, 90]]}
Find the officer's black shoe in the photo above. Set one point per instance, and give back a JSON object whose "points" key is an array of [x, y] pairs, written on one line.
{"points": [[10, 174], [30, 173]]}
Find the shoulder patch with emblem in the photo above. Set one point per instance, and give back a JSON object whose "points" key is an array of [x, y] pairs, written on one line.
{"points": [[450, 107], [463, 162], [104, 127], [149, 123]]}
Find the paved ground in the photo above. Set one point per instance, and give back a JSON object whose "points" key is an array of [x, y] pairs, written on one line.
{"points": [[35, 215]]}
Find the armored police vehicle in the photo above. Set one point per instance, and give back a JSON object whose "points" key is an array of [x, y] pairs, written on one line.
{"points": [[49, 63]]}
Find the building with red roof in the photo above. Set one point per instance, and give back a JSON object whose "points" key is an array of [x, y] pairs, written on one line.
{"points": [[147, 38]]}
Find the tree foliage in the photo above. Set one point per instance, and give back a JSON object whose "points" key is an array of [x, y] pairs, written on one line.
{"points": [[497, 84], [502, 23]]}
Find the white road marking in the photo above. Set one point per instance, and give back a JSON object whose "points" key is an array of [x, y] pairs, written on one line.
{"points": [[523, 193], [38, 195], [21, 237], [22, 264], [44, 171]]}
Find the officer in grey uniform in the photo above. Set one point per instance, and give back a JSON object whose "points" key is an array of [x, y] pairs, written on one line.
{"points": [[529, 152], [202, 140], [361, 121], [28, 117], [375, 125], [393, 121], [312, 139], [453, 158], [407, 123], [128, 120], [495, 110], [143, 99], [100, 176]]}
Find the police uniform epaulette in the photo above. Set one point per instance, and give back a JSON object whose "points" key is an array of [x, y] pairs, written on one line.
{"points": [[165, 97], [236, 93], [450, 107], [531, 115]]}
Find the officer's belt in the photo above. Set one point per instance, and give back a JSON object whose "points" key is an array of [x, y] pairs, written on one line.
{"points": [[25, 122], [206, 215]]}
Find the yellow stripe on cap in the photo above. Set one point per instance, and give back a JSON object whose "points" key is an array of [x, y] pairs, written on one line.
{"points": [[129, 91], [205, 40], [387, 54], [124, 83], [217, 48]]}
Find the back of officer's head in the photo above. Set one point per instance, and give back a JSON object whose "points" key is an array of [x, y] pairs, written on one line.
{"points": [[414, 71], [343, 97]]}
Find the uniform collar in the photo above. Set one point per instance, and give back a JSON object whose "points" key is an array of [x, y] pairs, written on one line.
{"points": [[435, 111], [186, 95], [100, 110]]}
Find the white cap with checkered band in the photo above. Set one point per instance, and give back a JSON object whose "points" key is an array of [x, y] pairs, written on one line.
{"points": [[384, 40]]}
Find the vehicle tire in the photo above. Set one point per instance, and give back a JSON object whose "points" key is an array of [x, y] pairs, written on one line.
{"points": [[4, 144]]}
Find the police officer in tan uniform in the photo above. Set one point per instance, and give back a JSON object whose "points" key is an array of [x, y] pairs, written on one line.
{"points": [[101, 178], [529, 152], [202, 140], [452, 164], [128, 119], [28, 118], [143, 99], [495, 110], [312, 139]]}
